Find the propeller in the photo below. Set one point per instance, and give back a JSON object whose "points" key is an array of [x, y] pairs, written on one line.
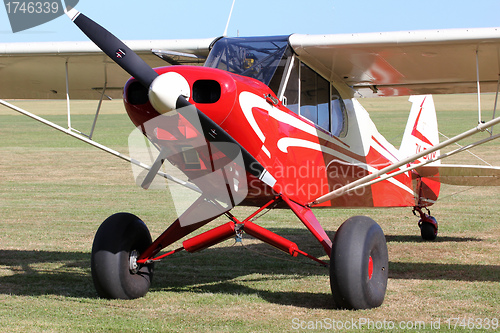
{"points": [[166, 92], [114, 48]]}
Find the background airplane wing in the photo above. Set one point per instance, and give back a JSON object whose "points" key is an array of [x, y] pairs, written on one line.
{"points": [[38, 70], [406, 63]]}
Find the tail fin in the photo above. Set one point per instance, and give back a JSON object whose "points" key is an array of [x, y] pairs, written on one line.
{"points": [[421, 131]]}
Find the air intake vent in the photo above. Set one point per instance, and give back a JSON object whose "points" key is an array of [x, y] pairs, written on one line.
{"points": [[137, 94], [206, 91]]}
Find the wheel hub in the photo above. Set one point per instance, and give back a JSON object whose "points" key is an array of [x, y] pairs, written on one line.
{"points": [[134, 267], [370, 268]]}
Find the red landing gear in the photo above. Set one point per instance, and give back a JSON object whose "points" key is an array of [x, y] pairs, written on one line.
{"points": [[123, 254], [427, 224]]}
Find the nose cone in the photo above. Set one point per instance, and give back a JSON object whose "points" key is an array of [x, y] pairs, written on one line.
{"points": [[166, 89]]}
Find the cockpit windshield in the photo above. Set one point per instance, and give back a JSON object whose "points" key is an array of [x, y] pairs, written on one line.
{"points": [[255, 57]]}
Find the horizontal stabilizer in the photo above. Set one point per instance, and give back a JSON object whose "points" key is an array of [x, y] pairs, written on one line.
{"points": [[463, 175]]}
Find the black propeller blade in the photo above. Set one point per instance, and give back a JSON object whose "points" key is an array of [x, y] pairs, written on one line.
{"points": [[114, 48]]}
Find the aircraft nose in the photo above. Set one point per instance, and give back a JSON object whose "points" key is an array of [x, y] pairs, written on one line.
{"points": [[165, 90]]}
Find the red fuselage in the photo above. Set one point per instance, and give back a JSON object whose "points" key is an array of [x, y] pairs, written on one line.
{"points": [[306, 160]]}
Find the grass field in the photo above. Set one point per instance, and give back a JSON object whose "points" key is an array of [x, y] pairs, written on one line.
{"points": [[55, 192]]}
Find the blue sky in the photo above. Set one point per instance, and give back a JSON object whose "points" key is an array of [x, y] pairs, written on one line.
{"points": [[168, 19]]}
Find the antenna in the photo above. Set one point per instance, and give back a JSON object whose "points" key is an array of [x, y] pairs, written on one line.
{"points": [[228, 19]]}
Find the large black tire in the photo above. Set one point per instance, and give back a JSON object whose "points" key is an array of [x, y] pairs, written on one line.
{"points": [[120, 236], [357, 240]]}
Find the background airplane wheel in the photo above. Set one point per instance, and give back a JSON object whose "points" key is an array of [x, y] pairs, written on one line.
{"points": [[120, 239], [359, 264]]}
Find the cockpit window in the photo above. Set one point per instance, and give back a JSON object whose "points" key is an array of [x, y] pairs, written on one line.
{"points": [[255, 57]]}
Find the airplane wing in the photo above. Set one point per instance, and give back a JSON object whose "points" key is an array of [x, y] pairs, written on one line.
{"points": [[387, 64], [406, 63], [38, 70]]}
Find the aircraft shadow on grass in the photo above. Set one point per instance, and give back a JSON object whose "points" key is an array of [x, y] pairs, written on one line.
{"points": [[224, 270], [418, 239]]}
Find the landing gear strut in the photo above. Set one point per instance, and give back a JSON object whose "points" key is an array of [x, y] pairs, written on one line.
{"points": [[123, 253], [427, 224]]}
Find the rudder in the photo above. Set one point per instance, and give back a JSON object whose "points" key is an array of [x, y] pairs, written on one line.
{"points": [[421, 133]]}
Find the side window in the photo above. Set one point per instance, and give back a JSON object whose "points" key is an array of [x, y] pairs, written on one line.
{"points": [[338, 114], [310, 95], [314, 97]]}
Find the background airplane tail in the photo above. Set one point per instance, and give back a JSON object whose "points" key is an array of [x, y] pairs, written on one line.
{"points": [[421, 133]]}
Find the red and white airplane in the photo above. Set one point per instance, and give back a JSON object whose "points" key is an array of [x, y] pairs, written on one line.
{"points": [[270, 122]]}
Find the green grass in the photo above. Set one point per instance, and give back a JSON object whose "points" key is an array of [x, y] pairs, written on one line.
{"points": [[55, 191]]}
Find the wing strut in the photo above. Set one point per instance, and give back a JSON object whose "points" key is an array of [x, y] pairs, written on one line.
{"points": [[418, 165], [362, 181], [97, 145], [67, 96], [480, 120], [68, 104], [496, 100], [100, 102]]}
